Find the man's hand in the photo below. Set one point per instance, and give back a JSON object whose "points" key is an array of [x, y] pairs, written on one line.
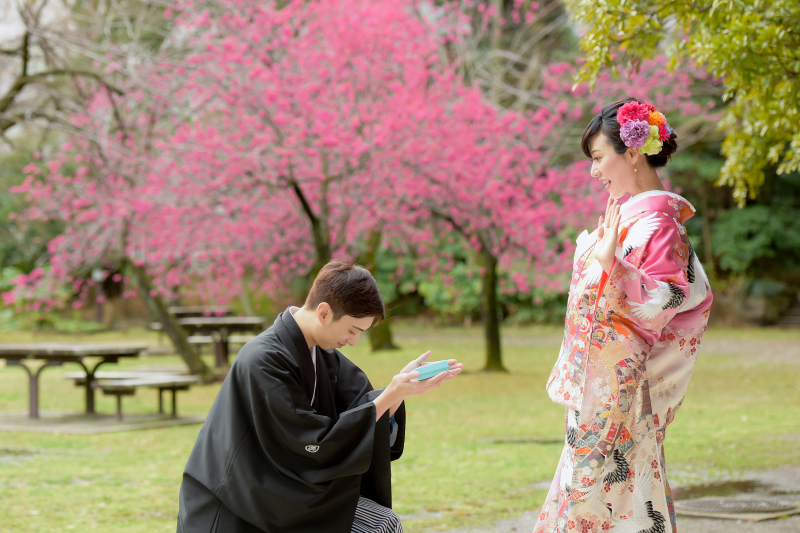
{"points": [[454, 367], [416, 363], [402, 384]]}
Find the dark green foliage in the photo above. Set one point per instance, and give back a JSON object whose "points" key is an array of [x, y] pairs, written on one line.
{"points": [[23, 245], [454, 292], [752, 45], [763, 240]]}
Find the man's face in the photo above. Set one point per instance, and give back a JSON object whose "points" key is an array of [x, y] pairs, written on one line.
{"points": [[339, 333]]}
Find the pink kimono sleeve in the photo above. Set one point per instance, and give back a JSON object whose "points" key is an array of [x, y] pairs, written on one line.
{"points": [[649, 284]]}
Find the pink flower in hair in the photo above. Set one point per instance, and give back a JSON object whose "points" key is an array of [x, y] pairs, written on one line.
{"points": [[633, 111]]}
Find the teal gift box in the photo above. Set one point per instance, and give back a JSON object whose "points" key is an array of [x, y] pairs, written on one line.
{"points": [[433, 369]]}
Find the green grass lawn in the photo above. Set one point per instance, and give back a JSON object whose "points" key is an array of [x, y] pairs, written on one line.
{"points": [[743, 402]]}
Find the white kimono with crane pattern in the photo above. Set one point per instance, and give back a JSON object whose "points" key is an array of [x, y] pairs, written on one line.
{"points": [[630, 343]]}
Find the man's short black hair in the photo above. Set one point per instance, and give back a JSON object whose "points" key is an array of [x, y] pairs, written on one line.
{"points": [[349, 289]]}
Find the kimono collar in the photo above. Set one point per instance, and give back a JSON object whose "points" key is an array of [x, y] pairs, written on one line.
{"points": [[667, 202], [297, 345]]}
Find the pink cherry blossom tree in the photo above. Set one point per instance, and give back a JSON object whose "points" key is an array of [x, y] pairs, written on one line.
{"points": [[101, 185], [267, 139], [267, 161], [297, 112]]}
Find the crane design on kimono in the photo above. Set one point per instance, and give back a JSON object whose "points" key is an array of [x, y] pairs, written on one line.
{"points": [[662, 297], [637, 236], [573, 421], [639, 233], [615, 470], [698, 282], [645, 519]]}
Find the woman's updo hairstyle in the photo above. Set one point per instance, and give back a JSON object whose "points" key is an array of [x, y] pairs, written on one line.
{"points": [[606, 122]]}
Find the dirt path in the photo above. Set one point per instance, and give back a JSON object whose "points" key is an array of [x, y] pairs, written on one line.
{"points": [[525, 524], [779, 484]]}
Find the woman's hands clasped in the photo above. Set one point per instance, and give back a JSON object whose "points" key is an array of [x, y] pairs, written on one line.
{"points": [[607, 235]]}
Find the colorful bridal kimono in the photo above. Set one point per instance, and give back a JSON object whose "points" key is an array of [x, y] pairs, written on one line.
{"points": [[630, 345]]}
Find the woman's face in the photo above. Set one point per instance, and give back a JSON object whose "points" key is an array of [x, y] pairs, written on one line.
{"points": [[615, 171]]}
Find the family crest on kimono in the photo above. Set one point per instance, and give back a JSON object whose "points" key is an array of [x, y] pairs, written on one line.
{"points": [[297, 439], [638, 307]]}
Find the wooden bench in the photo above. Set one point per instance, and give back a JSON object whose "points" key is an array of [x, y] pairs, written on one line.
{"points": [[121, 384], [80, 377], [192, 339], [220, 327], [208, 339], [200, 340]]}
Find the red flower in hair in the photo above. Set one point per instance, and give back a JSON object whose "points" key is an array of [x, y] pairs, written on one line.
{"points": [[663, 132], [633, 111]]}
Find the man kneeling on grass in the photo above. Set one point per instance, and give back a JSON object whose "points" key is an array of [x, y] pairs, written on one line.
{"points": [[297, 440]]}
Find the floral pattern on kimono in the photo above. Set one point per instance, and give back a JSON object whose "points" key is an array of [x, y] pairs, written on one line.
{"points": [[630, 343]]}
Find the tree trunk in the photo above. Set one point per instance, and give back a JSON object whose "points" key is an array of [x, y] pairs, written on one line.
{"points": [[319, 231], [170, 325], [322, 258], [245, 299], [490, 309], [380, 336]]}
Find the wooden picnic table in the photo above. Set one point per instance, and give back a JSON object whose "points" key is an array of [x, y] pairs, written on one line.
{"points": [[221, 327], [186, 311], [56, 354]]}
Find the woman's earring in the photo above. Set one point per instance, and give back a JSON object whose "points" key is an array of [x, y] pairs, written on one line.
{"points": [[635, 169]]}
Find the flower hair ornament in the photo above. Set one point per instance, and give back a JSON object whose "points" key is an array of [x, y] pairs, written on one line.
{"points": [[642, 127]]}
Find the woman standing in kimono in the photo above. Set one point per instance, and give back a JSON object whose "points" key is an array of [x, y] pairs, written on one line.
{"points": [[638, 307]]}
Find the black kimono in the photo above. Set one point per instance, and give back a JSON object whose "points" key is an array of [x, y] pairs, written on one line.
{"points": [[267, 460]]}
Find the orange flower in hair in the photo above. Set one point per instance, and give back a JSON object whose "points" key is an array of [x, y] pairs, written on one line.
{"points": [[656, 119]]}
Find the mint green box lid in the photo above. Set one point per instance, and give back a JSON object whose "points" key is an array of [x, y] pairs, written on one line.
{"points": [[431, 370]]}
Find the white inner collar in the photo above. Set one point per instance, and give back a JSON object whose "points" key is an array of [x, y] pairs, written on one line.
{"points": [[293, 309]]}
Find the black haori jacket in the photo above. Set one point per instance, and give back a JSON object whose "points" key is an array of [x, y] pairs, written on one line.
{"points": [[267, 460]]}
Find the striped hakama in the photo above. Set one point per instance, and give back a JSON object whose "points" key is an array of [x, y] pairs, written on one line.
{"points": [[374, 518]]}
